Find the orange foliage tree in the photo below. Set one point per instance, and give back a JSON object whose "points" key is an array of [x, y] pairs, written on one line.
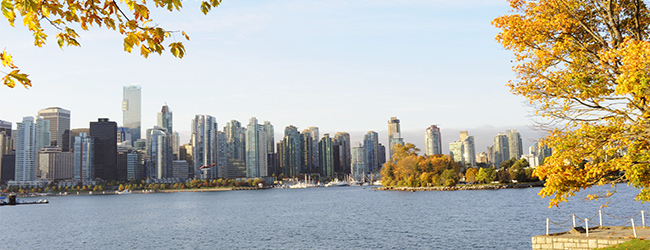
{"points": [[407, 168], [129, 17], [584, 66]]}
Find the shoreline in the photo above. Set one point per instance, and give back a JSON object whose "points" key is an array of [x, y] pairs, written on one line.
{"points": [[465, 187]]}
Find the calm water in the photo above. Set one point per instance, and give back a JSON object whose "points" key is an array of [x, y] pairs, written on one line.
{"points": [[325, 218]]}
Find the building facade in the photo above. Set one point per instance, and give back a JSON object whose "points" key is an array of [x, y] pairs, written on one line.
{"points": [[204, 145], [104, 134], [432, 141], [84, 152], [256, 154], [132, 110], [59, 123]]}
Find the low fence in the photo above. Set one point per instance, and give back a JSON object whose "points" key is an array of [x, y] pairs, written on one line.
{"points": [[576, 221]]}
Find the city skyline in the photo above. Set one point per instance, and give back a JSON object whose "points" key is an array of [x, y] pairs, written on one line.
{"points": [[349, 68]]}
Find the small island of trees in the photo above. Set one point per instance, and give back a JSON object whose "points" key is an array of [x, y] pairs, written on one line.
{"points": [[408, 169]]}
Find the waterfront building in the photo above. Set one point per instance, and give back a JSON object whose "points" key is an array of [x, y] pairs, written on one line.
{"points": [[104, 134], [342, 141], [176, 144], [26, 151], [290, 151], [204, 145], [84, 153], [130, 163], [371, 145], [490, 154], [394, 135], [326, 152], [132, 110], [456, 150], [5, 143], [432, 141], [236, 139], [180, 169], [469, 151], [54, 164], [270, 148], [7, 167], [160, 153], [500, 150], [59, 120], [359, 169], [236, 168], [222, 156], [514, 144], [5, 127], [185, 153], [42, 134], [256, 154], [310, 149]]}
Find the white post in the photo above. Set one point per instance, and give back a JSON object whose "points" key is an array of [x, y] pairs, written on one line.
{"points": [[574, 220], [643, 218], [600, 217], [547, 220], [587, 226], [633, 228]]}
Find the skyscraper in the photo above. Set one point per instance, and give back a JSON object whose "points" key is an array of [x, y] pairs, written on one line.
{"points": [[432, 141], [500, 150], [456, 150], [131, 110], [469, 152], [371, 145], [204, 145], [222, 155], [312, 158], [25, 150], [342, 140], [326, 152], [514, 144], [291, 155], [256, 150], [160, 153], [165, 119], [104, 134], [42, 134], [236, 139], [59, 122], [270, 147], [359, 169], [84, 152], [394, 135]]}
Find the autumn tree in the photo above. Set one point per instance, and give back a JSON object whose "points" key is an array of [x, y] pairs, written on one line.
{"points": [[128, 17], [486, 175], [470, 175], [583, 65]]}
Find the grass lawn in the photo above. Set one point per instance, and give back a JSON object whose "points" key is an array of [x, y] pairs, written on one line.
{"points": [[636, 244]]}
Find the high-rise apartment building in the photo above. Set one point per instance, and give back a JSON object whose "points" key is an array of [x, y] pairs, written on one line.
{"points": [[432, 141], [311, 151], [132, 110], [160, 154], [290, 152], [342, 140], [256, 150], [204, 145], [104, 134], [371, 145], [326, 152], [42, 134], [456, 150], [394, 135], [271, 156], [84, 153], [515, 148], [359, 169], [469, 151], [26, 150], [500, 150], [59, 122], [222, 155], [236, 139], [5, 142]]}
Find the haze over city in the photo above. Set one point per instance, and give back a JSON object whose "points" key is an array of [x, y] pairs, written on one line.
{"points": [[337, 65]]}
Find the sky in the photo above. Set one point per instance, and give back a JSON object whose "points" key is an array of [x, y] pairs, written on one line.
{"points": [[339, 65]]}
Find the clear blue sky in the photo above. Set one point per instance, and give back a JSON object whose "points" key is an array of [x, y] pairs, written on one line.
{"points": [[339, 65]]}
